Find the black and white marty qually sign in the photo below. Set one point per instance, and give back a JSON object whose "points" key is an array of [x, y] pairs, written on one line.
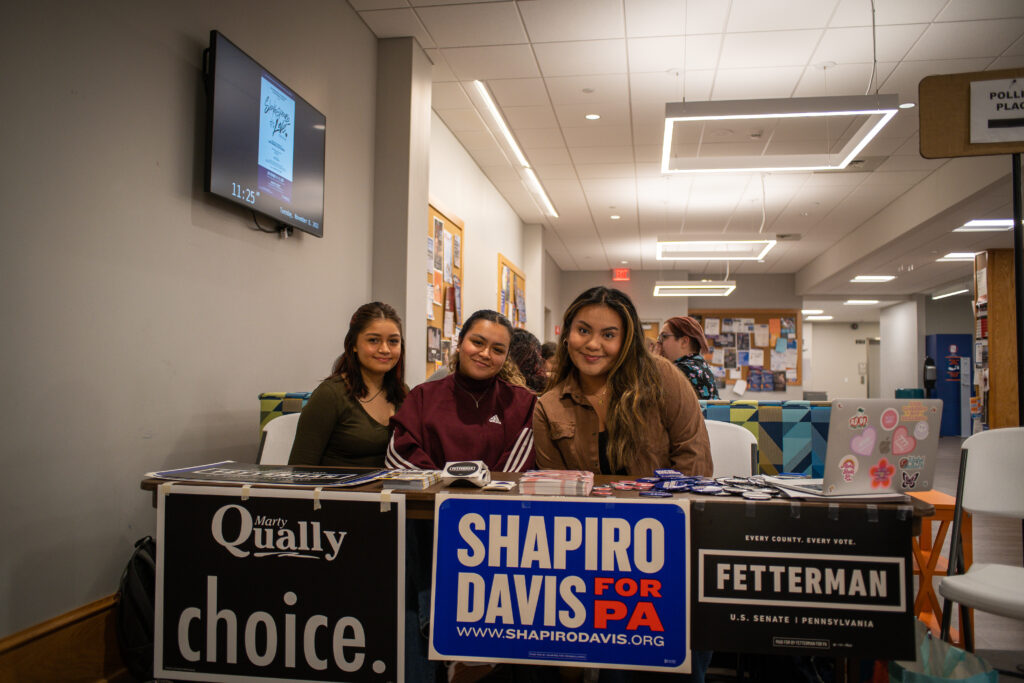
{"points": [[279, 584], [802, 578]]}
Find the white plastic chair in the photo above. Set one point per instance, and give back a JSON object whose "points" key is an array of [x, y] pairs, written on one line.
{"points": [[733, 449], [991, 481], [276, 440]]}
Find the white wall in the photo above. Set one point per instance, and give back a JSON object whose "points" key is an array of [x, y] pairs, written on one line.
{"points": [[902, 347], [459, 186], [142, 317], [835, 356]]}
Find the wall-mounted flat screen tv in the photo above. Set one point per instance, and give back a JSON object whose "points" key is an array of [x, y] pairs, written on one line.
{"points": [[265, 144]]}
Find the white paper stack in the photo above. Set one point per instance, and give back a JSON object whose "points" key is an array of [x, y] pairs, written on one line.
{"points": [[410, 479], [556, 483]]}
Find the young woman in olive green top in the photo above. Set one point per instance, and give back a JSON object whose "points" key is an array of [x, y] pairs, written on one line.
{"points": [[345, 421]]}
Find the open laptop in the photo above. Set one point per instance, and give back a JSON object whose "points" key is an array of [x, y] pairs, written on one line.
{"points": [[876, 446]]}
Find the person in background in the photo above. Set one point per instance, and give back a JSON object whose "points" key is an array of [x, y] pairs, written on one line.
{"points": [[612, 407], [682, 341], [547, 352], [345, 421], [481, 411], [525, 353]]}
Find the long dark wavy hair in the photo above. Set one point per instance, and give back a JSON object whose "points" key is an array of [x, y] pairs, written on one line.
{"points": [[346, 367], [525, 353], [509, 371], [634, 388]]}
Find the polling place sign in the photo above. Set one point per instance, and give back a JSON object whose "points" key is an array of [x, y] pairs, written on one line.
{"points": [[561, 581], [279, 584], [803, 579]]}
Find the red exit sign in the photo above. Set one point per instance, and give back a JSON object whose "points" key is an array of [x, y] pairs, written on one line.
{"points": [[620, 274]]}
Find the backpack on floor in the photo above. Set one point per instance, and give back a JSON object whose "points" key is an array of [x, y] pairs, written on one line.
{"points": [[135, 608]]}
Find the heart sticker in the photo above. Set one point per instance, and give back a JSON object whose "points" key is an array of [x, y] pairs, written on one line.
{"points": [[902, 441], [864, 443]]}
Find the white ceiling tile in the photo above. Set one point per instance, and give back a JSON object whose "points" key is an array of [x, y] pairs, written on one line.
{"points": [[548, 157], [906, 77], [965, 40], [602, 87], [518, 92], [602, 155], [702, 52], [396, 23], [612, 114], [548, 172], [476, 140], [449, 95], [617, 171], [656, 54], [581, 57], [519, 118], [441, 71], [540, 137], [485, 63], [1015, 50], [858, 12], [854, 44], [462, 119], [757, 15], [906, 162], [648, 154], [428, 3], [765, 49], [573, 20], [752, 84], [597, 136], [843, 79], [959, 10], [706, 16], [489, 23], [655, 17], [361, 5]]}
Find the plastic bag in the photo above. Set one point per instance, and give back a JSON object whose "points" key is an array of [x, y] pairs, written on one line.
{"points": [[937, 660]]}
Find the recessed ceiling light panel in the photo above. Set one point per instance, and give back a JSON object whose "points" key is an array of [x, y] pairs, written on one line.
{"points": [[694, 288], [986, 225], [873, 278]]}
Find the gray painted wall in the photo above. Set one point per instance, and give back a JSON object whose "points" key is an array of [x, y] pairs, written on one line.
{"points": [[141, 317]]}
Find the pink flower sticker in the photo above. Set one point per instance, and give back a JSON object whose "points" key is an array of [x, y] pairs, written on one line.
{"points": [[881, 474]]}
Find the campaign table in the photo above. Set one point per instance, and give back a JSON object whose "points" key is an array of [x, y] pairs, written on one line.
{"points": [[781, 576]]}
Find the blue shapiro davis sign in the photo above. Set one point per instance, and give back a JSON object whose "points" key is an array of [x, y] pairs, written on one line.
{"points": [[561, 581]]}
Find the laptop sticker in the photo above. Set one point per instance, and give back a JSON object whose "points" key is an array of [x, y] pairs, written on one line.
{"points": [[914, 412], [890, 418], [849, 466], [902, 441], [881, 474], [864, 443], [921, 430], [860, 420], [908, 480], [911, 462]]}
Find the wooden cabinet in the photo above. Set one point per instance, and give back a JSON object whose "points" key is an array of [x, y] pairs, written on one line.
{"points": [[995, 336]]}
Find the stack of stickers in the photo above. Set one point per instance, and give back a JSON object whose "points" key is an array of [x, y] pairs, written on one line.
{"points": [[410, 479], [667, 482], [556, 482]]}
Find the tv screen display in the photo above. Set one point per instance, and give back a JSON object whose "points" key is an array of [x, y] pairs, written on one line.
{"points": [[265, 144]]}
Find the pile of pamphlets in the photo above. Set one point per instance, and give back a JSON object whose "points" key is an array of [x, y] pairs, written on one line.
{"points": [[410, 479], [556, 483]]}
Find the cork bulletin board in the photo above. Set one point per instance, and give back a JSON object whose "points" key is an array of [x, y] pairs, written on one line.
{"points": [[511, 292], [445, 248], [761, 347]]}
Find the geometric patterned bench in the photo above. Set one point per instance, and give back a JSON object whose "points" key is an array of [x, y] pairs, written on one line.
{"points": [[791, 435], [277, 403]]}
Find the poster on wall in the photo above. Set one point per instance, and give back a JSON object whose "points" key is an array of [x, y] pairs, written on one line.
{"points": [[447, 246], [272, 585], [819, 580], [564, 582]]}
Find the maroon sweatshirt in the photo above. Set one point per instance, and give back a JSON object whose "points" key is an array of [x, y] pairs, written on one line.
{"points": [[457, 418]]}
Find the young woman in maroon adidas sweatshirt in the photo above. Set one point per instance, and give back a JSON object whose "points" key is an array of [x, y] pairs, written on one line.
{"points": [[481, 411]]}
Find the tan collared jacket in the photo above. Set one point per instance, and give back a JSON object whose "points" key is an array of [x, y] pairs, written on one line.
{"points": [[565, 430]]}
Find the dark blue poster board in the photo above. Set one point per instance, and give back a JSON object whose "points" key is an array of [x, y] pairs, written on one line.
{"points": [[280, 584], [802, 579], [561, 581]]}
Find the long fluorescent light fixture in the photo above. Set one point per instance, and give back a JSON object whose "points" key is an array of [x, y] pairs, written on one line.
{"points": [[865, 115], [818, 317], [873, 278], [811, 311], [499, 121], [936, 297], [694, 288], [670, 249], [860, 302], [957, 256], [986, 225]]}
